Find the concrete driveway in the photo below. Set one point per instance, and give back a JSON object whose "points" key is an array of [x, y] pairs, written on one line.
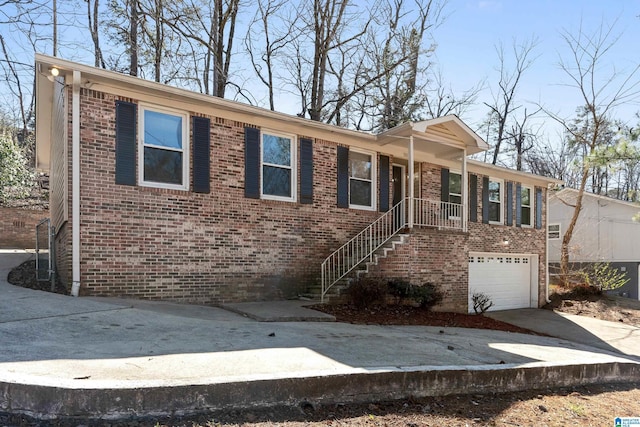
{"points": [[63, 357], [611, 336]]}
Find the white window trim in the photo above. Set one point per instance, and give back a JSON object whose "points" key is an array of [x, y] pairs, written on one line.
{"points": [[501, 182], [559, 231], [185, 148], [374, 180], [293, 166], [455, 172], [531, 206]]}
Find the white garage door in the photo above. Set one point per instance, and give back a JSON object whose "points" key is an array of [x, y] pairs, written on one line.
{"points": [[505, 278]]}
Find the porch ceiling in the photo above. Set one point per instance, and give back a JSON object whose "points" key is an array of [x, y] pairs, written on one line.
{"points": [[444, 137]]}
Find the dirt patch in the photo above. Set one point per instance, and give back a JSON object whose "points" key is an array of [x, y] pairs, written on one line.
{"points": [[25, 275], [408, 315], [588, 302]]}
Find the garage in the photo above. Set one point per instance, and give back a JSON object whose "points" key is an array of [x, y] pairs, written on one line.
{"points": [[506, 278]]}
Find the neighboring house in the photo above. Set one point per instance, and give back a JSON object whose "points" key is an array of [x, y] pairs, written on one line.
{"points": [[605, 232], [162, 193]]}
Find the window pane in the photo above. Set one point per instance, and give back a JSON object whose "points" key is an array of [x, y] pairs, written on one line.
{"points": [[276, 150], [162, 166], [164, 130], [494, 212], [455, 199], [360, 192], [360, 165], [276, 181], [526, 216], [494, 191], [525, 194], [455, 184]]}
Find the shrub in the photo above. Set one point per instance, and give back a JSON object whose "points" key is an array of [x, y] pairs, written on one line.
{"points": [[426, 296], [481, 302], [366, 291], [604, 277]]}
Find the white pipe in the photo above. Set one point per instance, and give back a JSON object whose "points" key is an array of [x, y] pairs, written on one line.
{"points": [[75, 180], [546, 238]]}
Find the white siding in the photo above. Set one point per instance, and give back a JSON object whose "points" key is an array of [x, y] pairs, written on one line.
{"points": [[59, 182], [605, 230]]}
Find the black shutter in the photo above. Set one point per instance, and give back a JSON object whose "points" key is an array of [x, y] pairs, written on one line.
{"points": [[538, 208], [201, 152], [251, 163], [509, 203], [444, 184], [485, 199], [473, 198], [126, 143], [518, 205], [306, 171], [343, 177], [384, 183]]}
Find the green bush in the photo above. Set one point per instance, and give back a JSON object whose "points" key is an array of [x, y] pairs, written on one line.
{"points": [[366, 291], [426, 295]]}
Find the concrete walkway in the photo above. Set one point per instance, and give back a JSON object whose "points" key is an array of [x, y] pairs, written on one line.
{"points": [[112, 358]]}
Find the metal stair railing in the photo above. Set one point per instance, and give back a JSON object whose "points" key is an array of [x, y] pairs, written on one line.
{"points": [[362, 246]]}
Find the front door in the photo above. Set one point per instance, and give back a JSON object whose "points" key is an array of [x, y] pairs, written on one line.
{"points": [[398, 193]]}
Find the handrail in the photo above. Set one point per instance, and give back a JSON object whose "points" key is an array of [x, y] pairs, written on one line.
{"points": [[427, 213], [362, 246]]}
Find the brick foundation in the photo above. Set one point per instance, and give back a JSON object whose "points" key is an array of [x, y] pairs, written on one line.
{"points": [[18, 227]]}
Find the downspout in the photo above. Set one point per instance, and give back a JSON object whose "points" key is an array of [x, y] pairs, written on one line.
{"points": [[75, 182], [546, 238]]}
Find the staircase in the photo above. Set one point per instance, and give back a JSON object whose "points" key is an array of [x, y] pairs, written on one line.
{"points": [[381, 237], [337, 292]]}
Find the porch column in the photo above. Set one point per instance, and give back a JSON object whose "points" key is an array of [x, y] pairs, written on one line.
{"points": [[465, 191], [411, 184]]}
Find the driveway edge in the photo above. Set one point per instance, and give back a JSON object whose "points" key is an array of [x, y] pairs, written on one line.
{"points": [[44, 402]]}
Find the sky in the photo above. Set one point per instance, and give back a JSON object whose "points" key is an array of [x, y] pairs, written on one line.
{"points": [[467, 42], [466, 49]]}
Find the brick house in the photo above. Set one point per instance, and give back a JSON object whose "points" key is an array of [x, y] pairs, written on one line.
{"points": [[162, 193]]}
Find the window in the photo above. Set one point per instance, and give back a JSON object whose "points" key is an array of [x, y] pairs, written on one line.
{"points": [[554, 231], [525, 206], [495, 201], [164, 146], [278, 174], [455, 188], [361, 186]]}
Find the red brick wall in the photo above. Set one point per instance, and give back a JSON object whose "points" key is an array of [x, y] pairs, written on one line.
{"points": [[18, 227], [432, 256], [204, 248], [219, 247], [441, 257]]}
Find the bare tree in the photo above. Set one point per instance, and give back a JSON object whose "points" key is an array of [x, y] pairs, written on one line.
{"points": [[522, 135], [504, 100], [263, 60], [601, 90], [94, 28], [440, 99]]}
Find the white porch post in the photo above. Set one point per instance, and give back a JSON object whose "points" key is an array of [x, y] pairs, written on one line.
{"points": [[411, 183], [465, 191]]}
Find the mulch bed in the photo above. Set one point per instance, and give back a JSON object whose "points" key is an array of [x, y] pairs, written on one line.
{"points": [[408, 315], [25, 275]]}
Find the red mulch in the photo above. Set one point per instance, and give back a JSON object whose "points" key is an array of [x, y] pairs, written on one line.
{"points": [[408, 315]]}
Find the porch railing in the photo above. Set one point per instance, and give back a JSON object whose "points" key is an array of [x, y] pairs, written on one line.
{"points": [[426, 213], [434, 213]]}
